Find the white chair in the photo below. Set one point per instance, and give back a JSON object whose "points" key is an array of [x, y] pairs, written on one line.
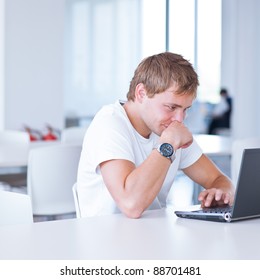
{"points": [[17, 142], [238, 147], [73, 135], [15, 208], [52, 170], [76, 200]]}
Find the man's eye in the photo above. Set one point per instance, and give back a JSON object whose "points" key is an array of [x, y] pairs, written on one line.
{"points": [[171, 108]]}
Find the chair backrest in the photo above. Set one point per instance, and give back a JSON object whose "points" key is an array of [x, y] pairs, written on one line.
{"points": [[237, 150], [15, 208], [52, 170], [13, 137], [73, 135], [76, 200], [14, 146]]}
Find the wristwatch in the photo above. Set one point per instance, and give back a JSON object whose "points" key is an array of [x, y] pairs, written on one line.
{"points": [[166, 150]]}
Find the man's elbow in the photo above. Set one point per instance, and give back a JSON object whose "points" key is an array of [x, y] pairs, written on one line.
{"points": [[132, 211], [133, 214]]}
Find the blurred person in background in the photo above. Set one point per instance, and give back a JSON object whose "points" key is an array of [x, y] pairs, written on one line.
{"points": [[221, 113]]}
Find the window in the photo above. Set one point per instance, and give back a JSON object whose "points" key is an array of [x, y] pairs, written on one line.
{"points": [[106, 39], [192, 30], [209, 49], [195, 32], [103, 43], [153, 27], [182, 27]]}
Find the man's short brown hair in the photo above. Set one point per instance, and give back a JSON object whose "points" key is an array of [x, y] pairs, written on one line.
{"points": [[159, 72]]}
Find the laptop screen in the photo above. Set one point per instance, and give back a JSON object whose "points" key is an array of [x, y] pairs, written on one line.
{"points": [[247, 199]]}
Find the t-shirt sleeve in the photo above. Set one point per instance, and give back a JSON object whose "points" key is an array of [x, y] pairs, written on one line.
{"points": [[108, 138], [190, 155]]}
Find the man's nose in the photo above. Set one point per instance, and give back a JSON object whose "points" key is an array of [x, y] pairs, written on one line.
{"points": [[179, 116]]}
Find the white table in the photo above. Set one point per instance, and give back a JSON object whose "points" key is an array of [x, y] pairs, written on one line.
{"points": [[18, 156], [214, 145], [159, 234]]}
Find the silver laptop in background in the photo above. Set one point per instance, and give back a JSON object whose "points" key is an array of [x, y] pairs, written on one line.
{"points": [[247, 196]]}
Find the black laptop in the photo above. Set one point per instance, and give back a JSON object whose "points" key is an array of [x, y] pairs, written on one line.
{"points": [[247, 198]]}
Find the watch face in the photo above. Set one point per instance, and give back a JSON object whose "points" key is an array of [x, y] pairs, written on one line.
{"points": [[166, 149]]}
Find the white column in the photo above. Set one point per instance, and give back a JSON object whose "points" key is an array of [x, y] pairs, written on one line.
{"points": [[34, 58], [241, 64], [2, 64]]}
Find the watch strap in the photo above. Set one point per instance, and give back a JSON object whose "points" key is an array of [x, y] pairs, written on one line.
{"points": [[158, 148]]}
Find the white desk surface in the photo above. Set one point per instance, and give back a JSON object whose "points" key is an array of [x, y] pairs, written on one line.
{"points": [[159, 234], [214, 145]]}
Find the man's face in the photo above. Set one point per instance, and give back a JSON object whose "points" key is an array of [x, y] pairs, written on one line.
{"points": [[164, 108]]}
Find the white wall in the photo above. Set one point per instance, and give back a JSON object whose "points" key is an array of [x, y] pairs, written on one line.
{"points": [[34, 63], [241, 64]]}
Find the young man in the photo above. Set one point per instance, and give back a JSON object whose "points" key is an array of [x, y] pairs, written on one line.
{"points": [[132, 150]]}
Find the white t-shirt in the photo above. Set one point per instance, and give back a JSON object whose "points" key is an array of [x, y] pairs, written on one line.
{"points": [[112, 136]]}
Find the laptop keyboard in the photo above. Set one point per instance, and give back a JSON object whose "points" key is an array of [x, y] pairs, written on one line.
{"points": [[220, 210]]}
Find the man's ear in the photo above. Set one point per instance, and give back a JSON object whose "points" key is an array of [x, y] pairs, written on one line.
{"points": [[140, 92]]}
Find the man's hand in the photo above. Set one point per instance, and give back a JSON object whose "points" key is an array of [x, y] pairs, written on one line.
{"points": [[215, 197], [177, 134]]}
